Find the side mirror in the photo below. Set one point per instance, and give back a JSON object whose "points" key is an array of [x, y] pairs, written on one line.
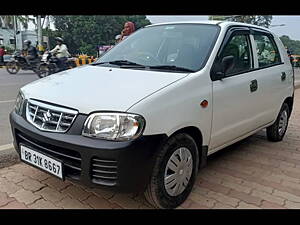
{"points": [[226, 63]]}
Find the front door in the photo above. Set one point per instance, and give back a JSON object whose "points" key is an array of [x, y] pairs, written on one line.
{"points": [[235, 97]]}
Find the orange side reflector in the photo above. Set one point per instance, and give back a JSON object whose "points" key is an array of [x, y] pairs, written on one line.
{"points": [[204, 103]]}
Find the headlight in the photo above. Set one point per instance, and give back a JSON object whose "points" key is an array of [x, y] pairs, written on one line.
{"points": [[114, 126], [19, 103]]}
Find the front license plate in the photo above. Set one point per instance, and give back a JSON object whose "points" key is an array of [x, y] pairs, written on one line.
{"points": [[41, 161]]}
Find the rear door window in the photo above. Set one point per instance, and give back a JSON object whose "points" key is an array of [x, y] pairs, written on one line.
{"points": [[267, 51]]}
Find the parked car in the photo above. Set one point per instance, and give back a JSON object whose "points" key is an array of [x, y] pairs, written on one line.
{"points": [[146, 115]]}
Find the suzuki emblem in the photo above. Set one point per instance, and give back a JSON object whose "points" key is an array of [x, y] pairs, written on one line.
{"points": [[47, 116]]}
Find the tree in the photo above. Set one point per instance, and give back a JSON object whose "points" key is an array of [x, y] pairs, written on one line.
{"points": [[292, 45], [8, 21], [217, 18], [264, 21], [85, 33]]}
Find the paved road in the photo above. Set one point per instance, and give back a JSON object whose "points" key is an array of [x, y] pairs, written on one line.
{"points": [[9, 86], [297, 75]]}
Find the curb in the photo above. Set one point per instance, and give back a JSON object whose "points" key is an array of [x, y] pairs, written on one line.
{"points": [[8, 157]]}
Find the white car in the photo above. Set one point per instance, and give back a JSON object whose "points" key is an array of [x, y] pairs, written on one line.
{"points": [[147, 114]]}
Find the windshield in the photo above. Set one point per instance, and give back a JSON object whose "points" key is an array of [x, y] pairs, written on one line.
{"points": [[185, 46]]}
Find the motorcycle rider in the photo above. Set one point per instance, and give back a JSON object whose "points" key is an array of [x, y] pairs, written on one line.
{"points": [[31, 51], [61, 52]]}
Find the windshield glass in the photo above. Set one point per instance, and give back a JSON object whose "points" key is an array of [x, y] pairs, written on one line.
{"points": [[178, 45]]}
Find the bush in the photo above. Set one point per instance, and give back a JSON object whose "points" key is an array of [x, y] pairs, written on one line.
{"points": [[9, 50]]}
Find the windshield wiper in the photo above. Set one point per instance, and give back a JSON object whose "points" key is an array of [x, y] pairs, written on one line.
{"points": [[171, 67], [120, 63], [133, 64]]}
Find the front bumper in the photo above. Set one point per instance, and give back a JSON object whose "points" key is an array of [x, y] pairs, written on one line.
{"points": [[124, 166]]}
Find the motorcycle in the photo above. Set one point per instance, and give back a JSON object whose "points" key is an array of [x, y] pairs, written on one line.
{"points": [[49, 64], [19, 62]]}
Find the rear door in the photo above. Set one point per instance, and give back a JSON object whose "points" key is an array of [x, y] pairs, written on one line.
{"points": [[274, 72]]}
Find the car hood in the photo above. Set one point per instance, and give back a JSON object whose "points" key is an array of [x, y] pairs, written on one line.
{"points": [[95, 88]]}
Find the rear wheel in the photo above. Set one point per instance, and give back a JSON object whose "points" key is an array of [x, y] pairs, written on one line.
{"points": [[174, 173], [12, 67], [71, 64], [276, 131]]}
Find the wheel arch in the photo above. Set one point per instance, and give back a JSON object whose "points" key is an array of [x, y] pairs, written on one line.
{"points": [[290, 102], [196, 134]]}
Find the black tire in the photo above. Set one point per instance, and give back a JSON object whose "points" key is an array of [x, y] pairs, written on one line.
{"points": [[12, 67], [43, 71], [274, 133], [71, 65], [156, 192]]}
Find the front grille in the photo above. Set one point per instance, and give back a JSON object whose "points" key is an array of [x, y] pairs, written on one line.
{"points": [[48, 117], [71, 159], [104, 171]]}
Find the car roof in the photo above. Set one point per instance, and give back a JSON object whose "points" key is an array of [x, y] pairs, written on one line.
{"points": [[222, 24]]}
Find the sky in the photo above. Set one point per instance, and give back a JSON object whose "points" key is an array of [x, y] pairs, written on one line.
{"points": [[291, 23]]}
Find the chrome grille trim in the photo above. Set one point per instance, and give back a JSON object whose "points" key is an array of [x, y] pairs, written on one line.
{"points": [[47, 117]]}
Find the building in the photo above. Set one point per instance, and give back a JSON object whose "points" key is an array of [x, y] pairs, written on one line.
{"points": [[8, 40], [30, 35]]}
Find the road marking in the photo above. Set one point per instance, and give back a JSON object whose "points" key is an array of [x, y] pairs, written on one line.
{"points": [[6, 147], [7, 101]]}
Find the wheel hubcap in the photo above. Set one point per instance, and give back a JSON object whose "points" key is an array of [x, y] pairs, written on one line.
{"points": [[282, 122], [178, 171]]}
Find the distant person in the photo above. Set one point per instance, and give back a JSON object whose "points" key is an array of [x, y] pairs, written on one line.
{"points": [[129, 28], [44, 48], [289, 55], [264, 55], [288, 51], [2, 53], [61, 52], [31, 51]]}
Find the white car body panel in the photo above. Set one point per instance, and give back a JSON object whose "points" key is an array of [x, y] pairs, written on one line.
{"points": [[178, 106], [95, 88]]}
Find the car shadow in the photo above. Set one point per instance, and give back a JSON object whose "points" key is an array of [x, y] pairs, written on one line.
{"points": [[234, 148]]}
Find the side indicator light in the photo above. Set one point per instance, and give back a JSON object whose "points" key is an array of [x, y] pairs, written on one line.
{"points": [[204, 103]]}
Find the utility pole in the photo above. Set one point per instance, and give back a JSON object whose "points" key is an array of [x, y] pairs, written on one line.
{"points": [[48, 28], [39, 34], [15, 31]]}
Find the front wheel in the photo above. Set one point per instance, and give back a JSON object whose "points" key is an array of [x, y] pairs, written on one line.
{"points": [[43, 71], [12, 67], [174, 172], [276, 131]]}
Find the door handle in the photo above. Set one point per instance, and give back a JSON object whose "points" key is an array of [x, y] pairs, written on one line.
{"points": [[283, 76], [253, 85]]}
